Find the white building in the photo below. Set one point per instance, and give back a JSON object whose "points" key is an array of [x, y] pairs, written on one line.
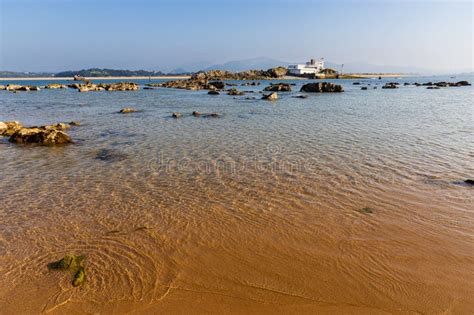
{"points": [[312, 67]]}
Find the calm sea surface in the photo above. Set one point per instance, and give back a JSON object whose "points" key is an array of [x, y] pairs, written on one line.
{"points": [[257, 211]]}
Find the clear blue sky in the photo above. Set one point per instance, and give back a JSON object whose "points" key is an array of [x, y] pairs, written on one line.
{"points": [[53, 35]]}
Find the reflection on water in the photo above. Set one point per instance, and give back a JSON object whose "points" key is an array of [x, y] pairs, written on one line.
{"points": [[260, 210]]}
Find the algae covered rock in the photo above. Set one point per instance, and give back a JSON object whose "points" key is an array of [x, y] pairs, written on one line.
{"points": [[73, 264], [68, 262], [79, 277]]}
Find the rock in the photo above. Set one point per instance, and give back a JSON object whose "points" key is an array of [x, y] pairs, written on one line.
{"points": [[322, 87], [212, 92], [300, 96], [176, 115], [219, 85], [34, 88], [13, 87], [45, 135], [9, 127], [234, 91], [390, 86], [364, 88], [2, 87], [270, 97], [433, 87], [277, 72], [356, 83], [127, 110], [463, 83], [196, 114], [211, 115], [148, 88], [55, 86], [74, 123], [406, 83], [280, 87], [469, 181]]}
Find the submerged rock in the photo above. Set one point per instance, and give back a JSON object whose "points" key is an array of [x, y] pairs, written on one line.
{"points": [[206, 115], [322, 87], [364, 88], [270, 97], [212, 92], [367, 210], [127, 110], [107, 155]]}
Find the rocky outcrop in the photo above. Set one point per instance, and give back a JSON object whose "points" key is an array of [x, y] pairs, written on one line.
{"points": [[127, 110], [203, 80], [280, 87], [119, 86], [270, 97], [322, 87], [16, 87], [44, 135]]}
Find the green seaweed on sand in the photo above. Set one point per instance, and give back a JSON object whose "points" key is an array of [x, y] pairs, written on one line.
{"points": [[68, 262], [367, 210], [79, 277], [72, 263]]}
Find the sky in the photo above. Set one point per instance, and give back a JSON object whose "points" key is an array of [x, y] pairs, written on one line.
{"points": [[56, 35]]}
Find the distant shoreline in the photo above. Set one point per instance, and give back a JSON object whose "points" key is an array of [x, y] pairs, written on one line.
{"points": [[95, 78], [287, 77]]}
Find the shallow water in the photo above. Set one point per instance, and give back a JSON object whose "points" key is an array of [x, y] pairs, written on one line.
{"points": [[257, 211]]}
